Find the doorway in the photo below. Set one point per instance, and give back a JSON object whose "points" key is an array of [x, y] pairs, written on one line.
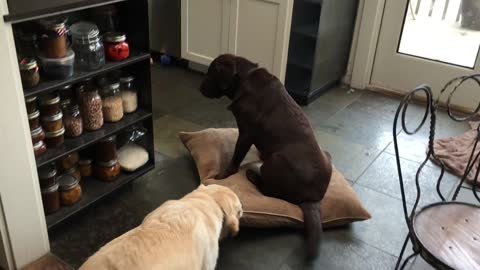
{"points": [[428, 42]]}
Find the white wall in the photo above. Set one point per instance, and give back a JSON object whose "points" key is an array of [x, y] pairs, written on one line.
{"points": [[19, 189]]}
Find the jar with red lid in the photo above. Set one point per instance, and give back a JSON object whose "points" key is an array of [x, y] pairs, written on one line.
{"points": [[116, 46]]}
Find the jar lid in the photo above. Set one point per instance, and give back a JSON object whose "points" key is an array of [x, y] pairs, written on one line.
{"points": [[85, 162], [115, 37], [47, 171], [52, 118], [110, 163], [72, 170], [31, 99], [67, 182], [71, 108], [49, 99], [54, 24], [36, 131], [65, 102], [34, 115], [56, 133], [126, 79], [38, 145], [84, 31], [111, 86], [50, 189], [28, 63]]}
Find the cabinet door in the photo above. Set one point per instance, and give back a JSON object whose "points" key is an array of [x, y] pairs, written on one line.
{"points": [[205, 29], [260, 31]]}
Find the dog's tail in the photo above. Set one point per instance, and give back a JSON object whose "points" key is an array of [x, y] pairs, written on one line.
{"points": [[313, 227]]}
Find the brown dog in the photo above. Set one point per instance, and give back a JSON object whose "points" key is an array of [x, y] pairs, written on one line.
{"points": [[295, 169]]}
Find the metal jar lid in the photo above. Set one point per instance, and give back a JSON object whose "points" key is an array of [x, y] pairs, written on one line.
{"points": [[85, 162], [127, 79], [67, 182], [114, 37], [31, 99], [54, 134], [34, 115], [38, 145], [65, 102], [72, 108], [47, 171], [50, 189], [28, 64], [111, 86], [49, 99], [36, 131], [84, 31], [108, 164], [52, 118]]}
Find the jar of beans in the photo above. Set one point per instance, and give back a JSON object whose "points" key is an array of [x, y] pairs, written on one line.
{"points": [[92, 110], [72, 121], [112, 102], [129, 94]]}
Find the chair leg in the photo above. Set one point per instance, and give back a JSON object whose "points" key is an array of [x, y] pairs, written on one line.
{"points": [[408, 259], [400, 257]]}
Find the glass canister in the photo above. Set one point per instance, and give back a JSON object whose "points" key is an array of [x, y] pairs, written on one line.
{"points": [[31, 103], [29, 72], [52, 123], [70, 190], [55, 139], [69, 161], [106, 17], [54, 40], [72, 120], [92, 110], [49, 104], [107, 171], [112, 102], [34, 120], [37, 135], [88, 46], [129, 94], [116, 46], [39, 148], [47, 175], [51, 198], [85, 167], [106, 149]]}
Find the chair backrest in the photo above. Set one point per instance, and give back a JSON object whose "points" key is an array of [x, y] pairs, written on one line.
{"points": [[431, 107]]}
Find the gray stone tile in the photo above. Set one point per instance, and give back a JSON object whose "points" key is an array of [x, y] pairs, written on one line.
{"points": [[340, 97], [380, 106], [340, 250], [166, 129], [350, 158], [320, 111], [382, 176], [258, 249], [420, 264], [212, 113], [387, 229], [466, 195]]}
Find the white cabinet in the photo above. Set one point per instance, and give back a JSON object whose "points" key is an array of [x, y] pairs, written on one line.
{"points": [[256, 29]]}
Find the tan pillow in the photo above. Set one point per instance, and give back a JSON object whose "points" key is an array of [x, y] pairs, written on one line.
{"points": [[212, 150]]}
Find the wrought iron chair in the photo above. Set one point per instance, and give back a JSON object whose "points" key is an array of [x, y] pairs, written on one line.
{"points": [[445, 234]]}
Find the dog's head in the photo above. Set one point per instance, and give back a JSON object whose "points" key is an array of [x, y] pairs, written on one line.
{"points": [[230, 205], [221, 75]]}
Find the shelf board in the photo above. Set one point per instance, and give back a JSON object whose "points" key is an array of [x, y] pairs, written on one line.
{"points": [[90, 137], [296, 61], [56, 10], [315, 2], [93, 190], [309, 30], [78, 76]]}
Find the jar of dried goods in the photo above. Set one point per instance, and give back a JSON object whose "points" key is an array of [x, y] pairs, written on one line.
{"points": [[56, 138], [50, 198], [68, 162], [106, 149], [47, 175], [31, 103], [72, 121], [85, 167], [129, 94], [34, 120], [92, 110], [107, 171], [70, 190], [55, 39], [29, 72], [116, 46], [49, 104], [52, 123], [112, 102]]}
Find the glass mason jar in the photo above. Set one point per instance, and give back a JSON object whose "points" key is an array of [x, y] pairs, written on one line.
{"points": [[72, 120], [112, 102], [116, 46], [106, 18], [129, 94], [106, 149], [54, 40], [29, 72], [92, 110], [88, 46]]}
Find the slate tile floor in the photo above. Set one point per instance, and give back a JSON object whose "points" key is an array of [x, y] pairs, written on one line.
{"points": [[355, 127]]}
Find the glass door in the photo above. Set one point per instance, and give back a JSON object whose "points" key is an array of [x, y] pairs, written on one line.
{"points": [[428, 41]]}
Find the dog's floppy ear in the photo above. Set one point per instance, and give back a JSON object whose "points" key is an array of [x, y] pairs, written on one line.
{"points": [[226, 70]]}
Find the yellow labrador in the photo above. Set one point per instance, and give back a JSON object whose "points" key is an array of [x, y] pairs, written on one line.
{"points": [[180, 234]]}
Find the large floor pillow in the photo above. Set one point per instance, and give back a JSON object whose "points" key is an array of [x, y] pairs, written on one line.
{"points": [[212, 150]]}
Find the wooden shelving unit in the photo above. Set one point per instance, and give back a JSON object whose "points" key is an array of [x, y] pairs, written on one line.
{"points": [[134, 21], [320, 39]]}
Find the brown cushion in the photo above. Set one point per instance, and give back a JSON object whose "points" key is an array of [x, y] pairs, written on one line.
{"points": [[212, 150]]}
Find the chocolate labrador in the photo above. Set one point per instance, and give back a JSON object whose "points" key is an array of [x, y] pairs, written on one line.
{"points": [[295, 169]]}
